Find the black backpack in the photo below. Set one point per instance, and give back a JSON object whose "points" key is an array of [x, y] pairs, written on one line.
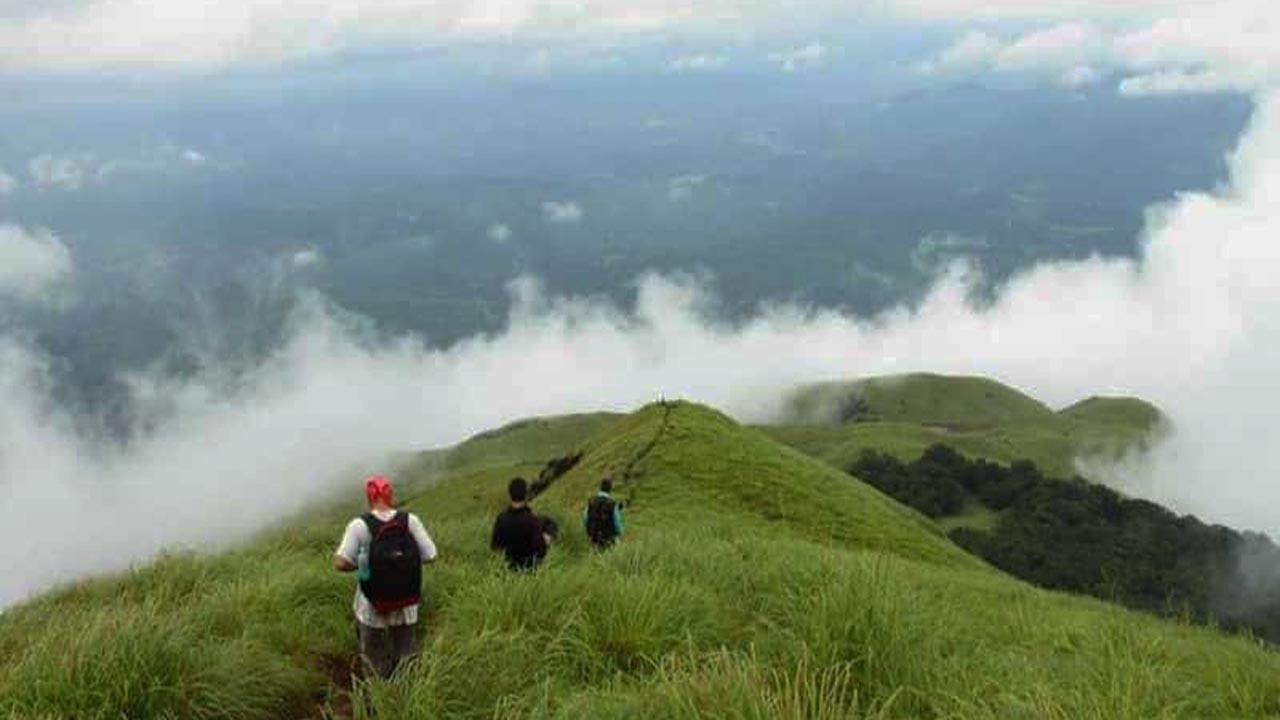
{"points": [[600, 526], [395, 564]]}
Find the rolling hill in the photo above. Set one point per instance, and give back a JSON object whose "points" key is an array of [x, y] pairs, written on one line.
{"points": [[981, 418], [753, 581]]}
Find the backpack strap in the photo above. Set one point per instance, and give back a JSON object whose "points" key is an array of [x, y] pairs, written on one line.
{"points": [[376, 526], [400, 519]]}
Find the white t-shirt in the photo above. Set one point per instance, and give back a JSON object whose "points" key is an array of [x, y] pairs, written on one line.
{"points": [[355, 547]]}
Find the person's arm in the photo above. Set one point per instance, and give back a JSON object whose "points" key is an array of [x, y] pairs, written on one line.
{"points": [[539, 538], [497, 542], [426, 546], [617, 518], [346, 557]]}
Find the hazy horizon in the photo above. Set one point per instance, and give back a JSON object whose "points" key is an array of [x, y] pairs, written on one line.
{"points": [[252, 250]]}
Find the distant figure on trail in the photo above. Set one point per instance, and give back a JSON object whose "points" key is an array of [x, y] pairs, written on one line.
{"points": [[386, 548], [518, 532], [602, 518]]}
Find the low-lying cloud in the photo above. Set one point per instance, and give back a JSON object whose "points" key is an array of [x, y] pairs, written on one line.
{"points": [[1068, 53], [79, 34], [813, 56], [697, 63], [1191, 48], [68, 172], [500, 233], [1193, 325], [74, 171], [562, 213], [31, 262]]}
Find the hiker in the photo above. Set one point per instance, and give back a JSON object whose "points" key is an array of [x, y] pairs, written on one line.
{"points": [[518, 532], [386, 548], [602, 518]]}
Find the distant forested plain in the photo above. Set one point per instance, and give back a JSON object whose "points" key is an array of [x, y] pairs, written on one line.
{"points": [[416, 209]]}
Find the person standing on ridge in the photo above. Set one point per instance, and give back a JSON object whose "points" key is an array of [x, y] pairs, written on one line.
{"points": [[602, 517], [386, 548], [518, 532]]}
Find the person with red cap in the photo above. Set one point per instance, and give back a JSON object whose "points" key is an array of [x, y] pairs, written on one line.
{"points": [[386, 548]]}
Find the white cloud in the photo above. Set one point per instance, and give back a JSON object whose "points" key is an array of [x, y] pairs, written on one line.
{"points": [[96, 33], [1180, 82], [680, 189], [68, 172], [813, 56], [1194, 47], [975, 49], [30, 262], [72, 171], [92, 34], [697, 63], [305, 258], [1065, 52], [194, 157], [1225, 46], [562, 213], [1193, 325], [8, 183], [1055, 47], [1032, 10], [1080, 76], [500, 233]]}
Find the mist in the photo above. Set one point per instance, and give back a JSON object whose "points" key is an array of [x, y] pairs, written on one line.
{"points": [[1192, 325]]}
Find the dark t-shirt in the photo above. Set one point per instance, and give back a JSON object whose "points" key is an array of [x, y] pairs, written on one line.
{"points": [[518, 533]]}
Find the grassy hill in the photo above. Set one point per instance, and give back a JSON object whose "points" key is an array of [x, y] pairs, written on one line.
{"points": [[754, 581], [905, 414]]}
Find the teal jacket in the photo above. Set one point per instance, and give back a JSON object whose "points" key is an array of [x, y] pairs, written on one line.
{"points": [[617, 514]]}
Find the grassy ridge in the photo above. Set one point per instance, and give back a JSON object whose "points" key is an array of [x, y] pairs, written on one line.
{"points": [[904, 415], [753, 582], [949, 402]]}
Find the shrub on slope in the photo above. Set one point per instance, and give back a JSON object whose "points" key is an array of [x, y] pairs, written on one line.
{"points": [[1077, 536]]}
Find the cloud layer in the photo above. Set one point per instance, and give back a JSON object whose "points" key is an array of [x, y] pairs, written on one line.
{"points": [[813, 56], [30, 262], [71, 34], [74, 171], [562, 213], [1198, 47], [1194, 325]]}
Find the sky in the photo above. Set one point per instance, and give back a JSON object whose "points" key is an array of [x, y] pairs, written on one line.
{"points": [[1192, 323]]}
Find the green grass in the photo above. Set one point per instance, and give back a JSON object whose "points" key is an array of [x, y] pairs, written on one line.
{"points": [[1129, 413], [526, 440], [923, 399], [905, 415], [753, 582]]}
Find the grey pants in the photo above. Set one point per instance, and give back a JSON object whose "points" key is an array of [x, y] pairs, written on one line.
{"points": [[384, 649]]}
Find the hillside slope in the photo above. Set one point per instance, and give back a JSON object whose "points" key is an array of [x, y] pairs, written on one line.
{"points": [[905, 414], [752, 581]]}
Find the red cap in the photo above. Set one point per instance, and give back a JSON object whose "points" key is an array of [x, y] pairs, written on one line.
{"points": [[378, 488]]}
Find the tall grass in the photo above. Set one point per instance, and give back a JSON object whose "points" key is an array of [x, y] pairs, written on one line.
{"points": [[751, 583]]}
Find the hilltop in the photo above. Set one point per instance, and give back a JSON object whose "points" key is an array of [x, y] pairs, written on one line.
{"points": [[753, 581], [981, 418]]}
